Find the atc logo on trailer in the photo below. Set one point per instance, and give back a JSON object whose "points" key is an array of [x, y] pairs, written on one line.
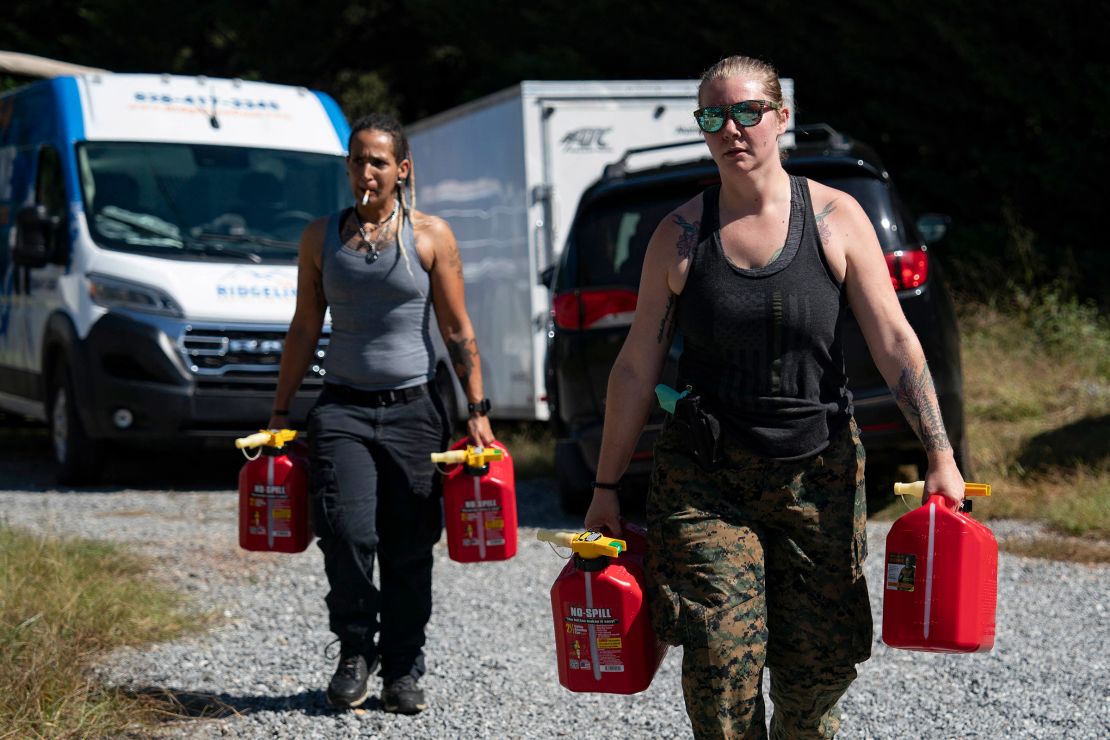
{"points": [[148, 241]]}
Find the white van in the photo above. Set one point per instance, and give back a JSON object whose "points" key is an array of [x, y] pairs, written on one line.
{"points": [[148, 240]]}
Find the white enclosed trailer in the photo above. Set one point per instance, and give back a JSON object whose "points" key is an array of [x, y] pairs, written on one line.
{"points": [[506, 171]]}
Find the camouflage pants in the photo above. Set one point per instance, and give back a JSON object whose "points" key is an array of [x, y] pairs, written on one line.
{"points": [[755, 563]]}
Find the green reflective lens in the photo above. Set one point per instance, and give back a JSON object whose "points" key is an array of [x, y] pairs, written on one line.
{"points": [[711, 119], [747, 113]]}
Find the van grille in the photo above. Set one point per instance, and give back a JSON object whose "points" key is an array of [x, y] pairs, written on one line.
{"points": [[243, 358]]}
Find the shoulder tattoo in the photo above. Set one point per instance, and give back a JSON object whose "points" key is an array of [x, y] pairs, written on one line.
{"points": [[822, 225], [689, 237]]}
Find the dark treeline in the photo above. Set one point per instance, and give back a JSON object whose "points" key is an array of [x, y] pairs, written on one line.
{"points": [[996, 115]]}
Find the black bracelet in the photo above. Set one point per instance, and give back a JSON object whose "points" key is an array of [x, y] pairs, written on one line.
{"points": [[280, 412], [607, 486]]}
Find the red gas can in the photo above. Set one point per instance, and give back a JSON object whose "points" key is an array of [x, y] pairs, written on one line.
{"points": [[941, 578], [479, 503], [603, 635], [273, 497]]}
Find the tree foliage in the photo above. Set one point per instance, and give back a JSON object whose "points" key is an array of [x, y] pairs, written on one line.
{"points": [[994, 115]]}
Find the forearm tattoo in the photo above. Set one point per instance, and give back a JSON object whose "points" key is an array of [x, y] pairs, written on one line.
{"points": [[689, 237], [822, 225], [464, 357], [668, 324], [916, 396]]}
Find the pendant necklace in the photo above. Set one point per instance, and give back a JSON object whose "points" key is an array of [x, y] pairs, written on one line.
{"points": [[373, 252]]}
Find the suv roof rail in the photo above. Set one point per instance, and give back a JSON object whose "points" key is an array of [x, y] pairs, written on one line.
{"points": [[814, 132], [620, 167]]}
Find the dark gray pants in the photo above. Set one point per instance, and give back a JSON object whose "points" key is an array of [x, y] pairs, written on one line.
{"points": [[375, 493]]}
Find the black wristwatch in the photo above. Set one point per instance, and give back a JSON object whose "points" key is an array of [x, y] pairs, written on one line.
{"points": [[481, 408]]}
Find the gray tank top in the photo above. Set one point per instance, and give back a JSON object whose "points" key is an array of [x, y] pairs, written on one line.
{"points": [[764, 344], [380, 314]]}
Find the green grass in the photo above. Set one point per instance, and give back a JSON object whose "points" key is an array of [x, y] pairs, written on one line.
{"points": [[1037, 384], [63, 603], [531, 446]]}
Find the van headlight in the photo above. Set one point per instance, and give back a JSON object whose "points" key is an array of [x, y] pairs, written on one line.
{"points": [[115, 293]]}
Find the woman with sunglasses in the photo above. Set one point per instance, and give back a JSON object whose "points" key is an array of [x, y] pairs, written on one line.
{"points": [[380, 266], [757, 505]]}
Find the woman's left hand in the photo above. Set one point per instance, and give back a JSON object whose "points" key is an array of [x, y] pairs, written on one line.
{"points": [[479, 430]]}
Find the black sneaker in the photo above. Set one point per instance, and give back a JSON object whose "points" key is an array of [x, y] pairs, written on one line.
{"points": [[348, 686], [403, 696]]}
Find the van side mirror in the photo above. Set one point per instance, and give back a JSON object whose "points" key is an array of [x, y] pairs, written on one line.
{"points": [[933, 226], [36, 232], [547, 275]]}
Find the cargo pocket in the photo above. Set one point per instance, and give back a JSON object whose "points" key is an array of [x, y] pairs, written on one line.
{"points": [[325, 494], [729, 640], [665, 609]]}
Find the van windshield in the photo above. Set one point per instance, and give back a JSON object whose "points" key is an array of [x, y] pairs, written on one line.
{"points": [[206, 202]]}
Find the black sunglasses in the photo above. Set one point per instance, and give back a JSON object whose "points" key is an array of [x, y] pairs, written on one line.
{"points": [[711, 118]]}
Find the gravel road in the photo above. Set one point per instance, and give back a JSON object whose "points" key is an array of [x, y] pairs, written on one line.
{"points": [[490, 651]]}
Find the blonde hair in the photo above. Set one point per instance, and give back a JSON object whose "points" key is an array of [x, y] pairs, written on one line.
{"points": [[741, 66]]}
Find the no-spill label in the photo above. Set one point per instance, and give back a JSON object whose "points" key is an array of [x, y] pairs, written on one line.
{"points": [[900, 571], [579, 621]]}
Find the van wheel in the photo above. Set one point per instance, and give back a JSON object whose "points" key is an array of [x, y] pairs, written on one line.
{"points": [[76, 455]]}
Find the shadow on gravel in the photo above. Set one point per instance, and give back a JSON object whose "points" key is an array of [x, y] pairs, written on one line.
{"points": [[175, 704]]}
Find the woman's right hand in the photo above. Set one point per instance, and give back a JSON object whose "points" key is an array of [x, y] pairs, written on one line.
{"points": [[278, 421], [604, 512]]}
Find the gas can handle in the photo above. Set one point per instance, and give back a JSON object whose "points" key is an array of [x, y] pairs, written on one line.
{"points": [[917, 488], [587, 544], [275, 438], [473, 456]]}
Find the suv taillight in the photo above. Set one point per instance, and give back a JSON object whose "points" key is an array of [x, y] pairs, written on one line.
{"points": [[594, 308], [909, 268]]}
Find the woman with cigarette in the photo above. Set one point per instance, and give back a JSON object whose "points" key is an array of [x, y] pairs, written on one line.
{"points": [[380, 267]]}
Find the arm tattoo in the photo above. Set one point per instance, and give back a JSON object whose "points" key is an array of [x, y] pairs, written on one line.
{"points": [[822, 227], [669, 321], [464, 356], [689, 237], [916, 396], [455, 262]]}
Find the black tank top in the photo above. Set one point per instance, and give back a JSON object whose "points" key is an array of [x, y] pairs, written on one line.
{"points": [[763, 345]]}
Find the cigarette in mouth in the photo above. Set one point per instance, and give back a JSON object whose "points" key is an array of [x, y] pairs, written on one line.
{"points": [[366, 197]]}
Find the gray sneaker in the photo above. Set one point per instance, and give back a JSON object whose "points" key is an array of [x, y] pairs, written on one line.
{"points": [[403, 696]]}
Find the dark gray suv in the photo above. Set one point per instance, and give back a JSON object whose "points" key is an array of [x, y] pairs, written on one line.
{"points": [[594, 297]]}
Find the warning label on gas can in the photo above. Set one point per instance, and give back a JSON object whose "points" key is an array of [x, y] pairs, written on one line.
{"points": [[900, 571]]}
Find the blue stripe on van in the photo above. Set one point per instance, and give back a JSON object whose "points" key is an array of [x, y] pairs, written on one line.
{"points": [[338, 120], [71, 116]]}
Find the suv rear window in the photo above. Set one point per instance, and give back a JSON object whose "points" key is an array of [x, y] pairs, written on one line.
{"points": [[611, 234]]}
